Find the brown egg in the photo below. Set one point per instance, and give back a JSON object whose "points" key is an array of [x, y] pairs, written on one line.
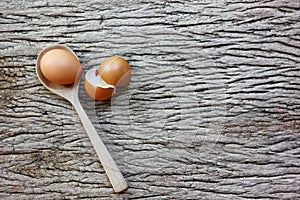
{"points": [[96, 87], [60, 66], [115, 70]]}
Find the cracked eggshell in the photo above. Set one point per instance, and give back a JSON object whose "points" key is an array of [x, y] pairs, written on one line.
{"points": [[116, 71], [96, 87]]}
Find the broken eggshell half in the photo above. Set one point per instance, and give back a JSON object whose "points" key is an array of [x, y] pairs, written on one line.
{"points": [[116, 71], [96, 87]]}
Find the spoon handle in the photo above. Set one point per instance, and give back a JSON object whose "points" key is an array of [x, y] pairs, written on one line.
{"points": [[116, 178]]}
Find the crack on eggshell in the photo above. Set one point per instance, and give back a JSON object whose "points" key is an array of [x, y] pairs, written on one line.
{"points": [[106, 67]]}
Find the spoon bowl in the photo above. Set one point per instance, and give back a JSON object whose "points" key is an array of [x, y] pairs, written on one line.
{"points": [[70, 93], [66, 91]]}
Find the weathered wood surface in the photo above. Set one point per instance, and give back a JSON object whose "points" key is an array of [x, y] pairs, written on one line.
{"points": [[213, 111]]}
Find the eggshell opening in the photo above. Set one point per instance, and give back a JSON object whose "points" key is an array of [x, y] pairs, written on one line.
{"points": [[96, 87]]}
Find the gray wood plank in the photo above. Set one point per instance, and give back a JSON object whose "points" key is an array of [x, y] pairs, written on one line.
{"points": [[212, 112]]}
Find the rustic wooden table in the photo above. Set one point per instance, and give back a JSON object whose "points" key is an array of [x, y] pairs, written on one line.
{"points": [[212, 112]]}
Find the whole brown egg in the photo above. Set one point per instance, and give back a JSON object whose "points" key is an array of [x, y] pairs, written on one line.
{"points": [[60, 66]]}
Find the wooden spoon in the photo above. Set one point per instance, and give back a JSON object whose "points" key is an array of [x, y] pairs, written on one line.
{"points": [[70, 93]]}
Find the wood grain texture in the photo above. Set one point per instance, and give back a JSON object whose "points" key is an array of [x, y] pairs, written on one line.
{"points": [[213, 110]]}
